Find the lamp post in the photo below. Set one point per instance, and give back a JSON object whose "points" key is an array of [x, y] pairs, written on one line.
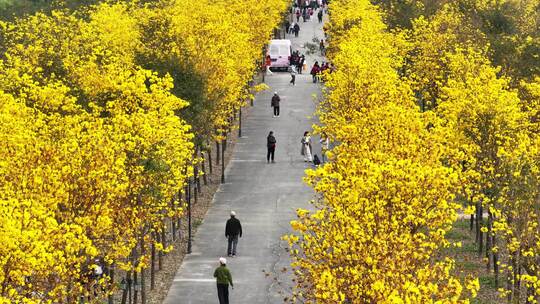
{"points": [[129, 282], [137, 286], [223, 159], [124, 287], [188, 194], [240, 122], [250, 87]]}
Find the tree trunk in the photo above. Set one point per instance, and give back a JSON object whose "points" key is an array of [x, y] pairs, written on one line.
{"points": [[517, 276], [217, 152], [163, 241], [509, 284], [110, 298], [488, 242], [173, 230], [495, 262], [511, 280], [203, 168], [188, 199], [153, 267], [478, 211], [210, 169], [481, 234], [135, 292], [531, 297], [195, 194], [143, 281], [197, 178], [180, 230], [127, 288]]}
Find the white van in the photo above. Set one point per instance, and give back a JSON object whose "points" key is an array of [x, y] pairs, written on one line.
{"points": [[280, 51]]}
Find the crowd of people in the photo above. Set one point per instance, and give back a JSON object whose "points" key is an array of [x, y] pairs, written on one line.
{"points": [[306, 149], [305, 8], [318, 71], [233, 229]]}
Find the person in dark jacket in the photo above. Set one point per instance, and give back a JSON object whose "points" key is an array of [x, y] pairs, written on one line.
{"points": [[271, 145], [275, 104], [223, 279], [301, 64], [233, 231], [296, 29]]}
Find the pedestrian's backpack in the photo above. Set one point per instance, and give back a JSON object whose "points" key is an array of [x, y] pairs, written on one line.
{"points": [[316, 160]]}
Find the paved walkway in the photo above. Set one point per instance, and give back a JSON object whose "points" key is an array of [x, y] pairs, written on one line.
{"points": [[263, 195]]}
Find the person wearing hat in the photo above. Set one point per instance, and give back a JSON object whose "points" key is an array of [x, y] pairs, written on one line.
{"points": [[233, 230], [275, 104], [223, 279]]}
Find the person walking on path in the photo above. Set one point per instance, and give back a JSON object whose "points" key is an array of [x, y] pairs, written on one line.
{"points": [[300, 65], [267, 63], [233, 230], [319, 15], [223, 279], [287, 25], [322, 48], [271, 145], [275, 104], [293, 75], [325, 145], [314, 71], [306, 147], [296, 29]]}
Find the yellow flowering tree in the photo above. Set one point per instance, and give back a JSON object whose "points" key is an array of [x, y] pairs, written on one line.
{"points": [[97, 150], [386, 196]]}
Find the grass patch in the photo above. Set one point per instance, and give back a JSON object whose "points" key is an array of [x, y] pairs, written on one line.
{"points": [[487, 281], [468, 266], [312, 48], [457, 235], [468, 247], [10, 9], [480, 301], [462, 224], [197, 223]]}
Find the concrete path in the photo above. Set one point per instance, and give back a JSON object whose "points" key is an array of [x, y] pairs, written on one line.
{"points": [[263, 195]]}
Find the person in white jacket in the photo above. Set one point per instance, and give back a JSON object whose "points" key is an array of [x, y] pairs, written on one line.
{"points": [[306, 147], [293, 74]]}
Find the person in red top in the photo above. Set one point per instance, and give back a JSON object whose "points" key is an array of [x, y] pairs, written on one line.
{"points": [[324, 67], [315, 70], [267, 63]]}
